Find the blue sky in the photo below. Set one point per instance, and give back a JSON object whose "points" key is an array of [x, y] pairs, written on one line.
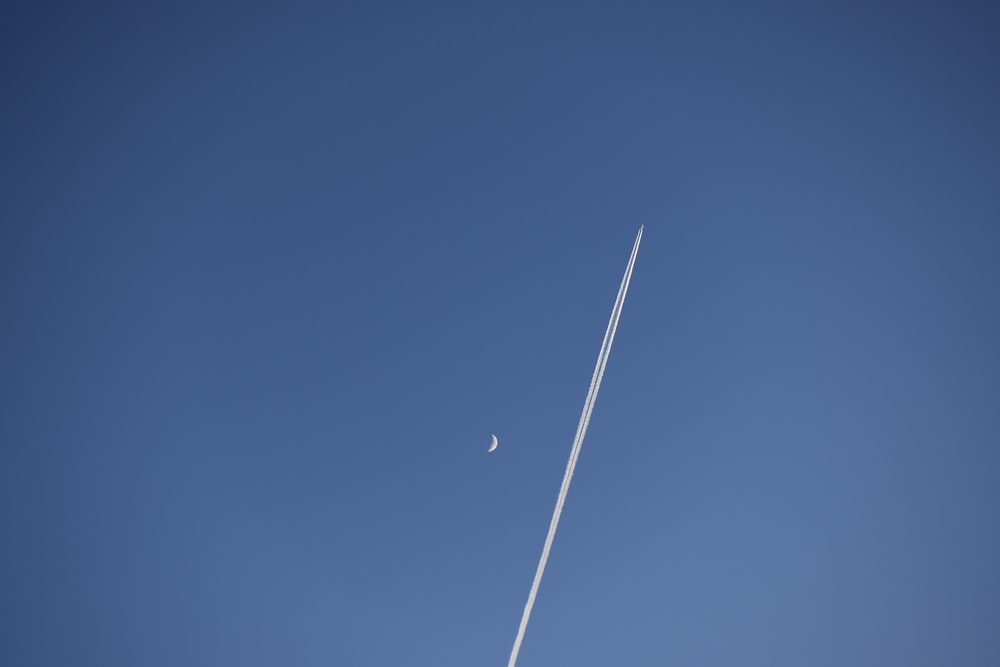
{"points": [[271, 275]]}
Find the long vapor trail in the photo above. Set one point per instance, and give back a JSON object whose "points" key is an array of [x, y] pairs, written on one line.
{"points": [[574, 453]]}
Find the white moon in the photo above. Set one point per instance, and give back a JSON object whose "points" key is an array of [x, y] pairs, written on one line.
{"points": [[493, 445]]}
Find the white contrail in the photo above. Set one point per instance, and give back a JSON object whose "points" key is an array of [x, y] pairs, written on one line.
{"points": [[574, 454]]}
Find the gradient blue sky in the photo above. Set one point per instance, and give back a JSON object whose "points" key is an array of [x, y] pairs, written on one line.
{"points": [[270, 276]]}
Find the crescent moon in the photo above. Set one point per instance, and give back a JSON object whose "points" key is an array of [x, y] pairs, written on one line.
{"points": [[493, 445]]}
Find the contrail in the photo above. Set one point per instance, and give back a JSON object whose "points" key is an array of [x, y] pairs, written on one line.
{"points": [[574, 453]]}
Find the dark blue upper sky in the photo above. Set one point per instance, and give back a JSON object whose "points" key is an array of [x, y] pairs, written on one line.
{"points": [[270, 277]]}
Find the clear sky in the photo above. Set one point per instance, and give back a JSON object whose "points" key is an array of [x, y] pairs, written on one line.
{"points": [[271, 275]]}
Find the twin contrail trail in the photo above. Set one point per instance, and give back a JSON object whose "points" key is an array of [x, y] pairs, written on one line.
{"points": [[574, 453]]}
